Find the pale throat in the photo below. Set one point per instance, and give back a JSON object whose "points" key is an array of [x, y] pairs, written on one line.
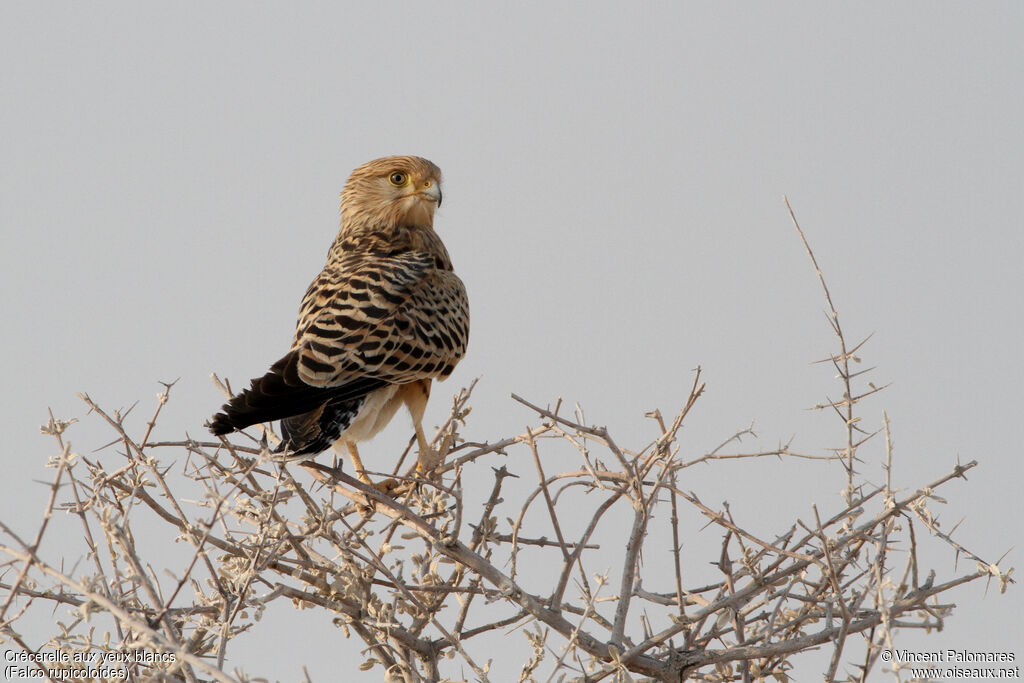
{"points": [[410, 211], [415, 211]]}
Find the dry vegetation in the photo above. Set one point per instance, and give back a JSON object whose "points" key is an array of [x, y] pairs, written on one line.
{"points": [[428, 581]]}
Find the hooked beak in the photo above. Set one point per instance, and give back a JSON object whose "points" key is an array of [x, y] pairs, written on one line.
{"points": [[432, 192]]}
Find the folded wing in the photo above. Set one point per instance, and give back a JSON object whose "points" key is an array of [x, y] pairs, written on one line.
{"points": [[368, 320]]}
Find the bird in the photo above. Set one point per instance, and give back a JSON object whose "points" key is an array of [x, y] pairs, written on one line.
{"points": [[385, 317]]}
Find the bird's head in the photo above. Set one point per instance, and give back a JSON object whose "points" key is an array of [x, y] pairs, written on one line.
{"points": [[391, 191]]}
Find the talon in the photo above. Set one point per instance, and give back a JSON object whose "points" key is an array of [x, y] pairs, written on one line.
{"points": [[428, 461], [388, 487], [428, 458]]}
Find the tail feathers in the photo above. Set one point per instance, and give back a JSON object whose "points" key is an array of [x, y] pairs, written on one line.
{"points": [[316, 431], [282, 394]]}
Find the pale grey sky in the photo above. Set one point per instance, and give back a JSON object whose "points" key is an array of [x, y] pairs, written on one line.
{"points": [[613, 201]]}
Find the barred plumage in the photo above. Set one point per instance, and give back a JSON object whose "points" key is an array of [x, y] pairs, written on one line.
{"points": [[385, 317]]}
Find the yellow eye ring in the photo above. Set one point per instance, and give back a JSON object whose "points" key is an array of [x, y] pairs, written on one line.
{"points": [[398, 179]]}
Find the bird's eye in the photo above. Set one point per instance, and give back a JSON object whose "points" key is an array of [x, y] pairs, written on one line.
{"points": [[398, 179]]}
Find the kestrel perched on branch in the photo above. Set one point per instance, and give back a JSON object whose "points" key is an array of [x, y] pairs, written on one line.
{"points": [[385, 317]]}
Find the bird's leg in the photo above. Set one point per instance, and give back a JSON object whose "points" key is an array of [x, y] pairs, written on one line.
{"points": [[357, 462], [427, 459], [387, 487], [415, 395]]}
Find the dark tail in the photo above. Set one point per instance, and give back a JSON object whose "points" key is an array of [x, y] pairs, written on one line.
{"points": [[316, 431], [281, 394]]}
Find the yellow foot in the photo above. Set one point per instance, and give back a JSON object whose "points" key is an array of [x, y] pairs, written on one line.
{"points": [[428, 460], [389, 487]]}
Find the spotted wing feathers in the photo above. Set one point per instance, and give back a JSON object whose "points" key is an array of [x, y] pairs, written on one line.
{"points": [[368, 320], [397, 318]]}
